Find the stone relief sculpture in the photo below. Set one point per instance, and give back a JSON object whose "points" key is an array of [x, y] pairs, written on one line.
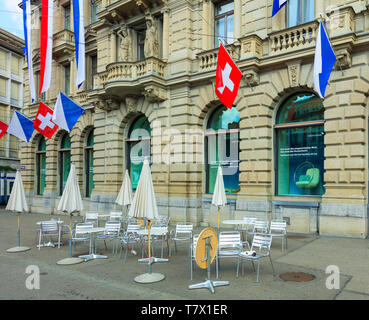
{"points": [[125, 46], [151, 46]]}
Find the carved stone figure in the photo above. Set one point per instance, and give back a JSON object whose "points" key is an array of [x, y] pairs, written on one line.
{"points": [[124, 53], [151, 46]]}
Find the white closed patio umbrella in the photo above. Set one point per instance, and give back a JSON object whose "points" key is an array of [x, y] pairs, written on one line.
{"points": [[144, 207], [17, 202], [70, 202], [125, 195], [219, 195]]}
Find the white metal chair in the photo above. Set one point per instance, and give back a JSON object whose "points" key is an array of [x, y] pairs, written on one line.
{"points": [[49, 229], [159, 235], [92, 217], [111, 232], [193, 252], [278, 229], [229, 246], [79, 234], [130, 238], [260, 226], [183, 233], [116, 215], [261, 245], [248, 226]]}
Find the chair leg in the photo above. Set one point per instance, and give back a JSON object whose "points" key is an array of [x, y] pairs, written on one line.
{"points": [[270, 258], [238, 266], [257, 274], [39, 241]]}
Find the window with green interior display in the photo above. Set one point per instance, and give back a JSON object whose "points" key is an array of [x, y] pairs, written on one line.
{"points": [[138, 148], [64, 161], [89, 164], [222, 148], [41, 166], [300, 146]]}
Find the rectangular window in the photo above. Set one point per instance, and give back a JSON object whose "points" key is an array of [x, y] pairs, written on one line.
{"points": [[93, 11], [224, 23], [3, 58], [140, 44], [15, 91], [15, 65], [299, 12], [67, 17], [3, 87], [301, 161], [67, 79]]}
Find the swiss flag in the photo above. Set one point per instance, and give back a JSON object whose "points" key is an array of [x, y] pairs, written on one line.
{"points": [[43, 122], [3, 128], [228, 78]]}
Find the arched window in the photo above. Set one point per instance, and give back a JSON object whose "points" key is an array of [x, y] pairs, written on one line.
{"points": [[300, 146], [41, 166], [64, 161], [222, 147], [89, 164], [138, 147]]}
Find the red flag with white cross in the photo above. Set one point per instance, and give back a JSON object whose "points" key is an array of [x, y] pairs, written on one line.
{"points": [[43, 122], [3, 128], [228, 78]]}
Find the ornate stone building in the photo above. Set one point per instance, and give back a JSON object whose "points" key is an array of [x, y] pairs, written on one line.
{"points": [[150, 92], [11, 99]]}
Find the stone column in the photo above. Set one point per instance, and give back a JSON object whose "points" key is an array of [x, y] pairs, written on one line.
{"points": [[165, 12], [113, 47], [237, 13], [205, 29]]}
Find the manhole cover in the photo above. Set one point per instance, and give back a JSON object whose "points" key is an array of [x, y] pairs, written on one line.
{"points": [[297, 276], [296, 237]]}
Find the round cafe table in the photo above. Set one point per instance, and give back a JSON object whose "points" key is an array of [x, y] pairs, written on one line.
{"points": [[237, 224], [92, 254], [154, 232]]}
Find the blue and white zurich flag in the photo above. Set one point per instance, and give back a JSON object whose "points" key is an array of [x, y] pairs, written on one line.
{"points": [[324, 61], [66, 112], [277, 5], [79, 39], [21, 127]]}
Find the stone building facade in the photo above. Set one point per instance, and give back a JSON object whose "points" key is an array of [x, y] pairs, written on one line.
{"points": [[11, 99], [151, 66]]}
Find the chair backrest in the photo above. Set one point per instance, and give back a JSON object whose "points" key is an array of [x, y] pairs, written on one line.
{"points": [[261, 242], [133, 228], [261, 225], [115, 215], [159, 230], [230, 239], [91, 216], [194, 243], [49, 226], [249, 220], [185, 229], [82, 227], [278, 226], [112, 227]]}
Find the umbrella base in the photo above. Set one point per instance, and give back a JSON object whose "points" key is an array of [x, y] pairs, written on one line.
{"points": [[209, 284], [92, 256], [153, 260], [68, 261], [149, 277], [18, 249]]}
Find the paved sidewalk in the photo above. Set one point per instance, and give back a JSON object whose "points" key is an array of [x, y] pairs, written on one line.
{"points": [[113, 279]]}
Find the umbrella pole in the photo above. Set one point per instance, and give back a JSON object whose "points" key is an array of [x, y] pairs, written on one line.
{"points": [[18, 234], [148, 228]]}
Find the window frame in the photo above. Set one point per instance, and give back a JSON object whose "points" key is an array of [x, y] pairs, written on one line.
{"points": [[87, 153], [39, 155], [217, 17], [278, 127], [61, 154], [300, 21]]}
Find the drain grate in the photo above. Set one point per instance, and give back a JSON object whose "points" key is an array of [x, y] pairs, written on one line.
{"points": [[297, 276]]}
